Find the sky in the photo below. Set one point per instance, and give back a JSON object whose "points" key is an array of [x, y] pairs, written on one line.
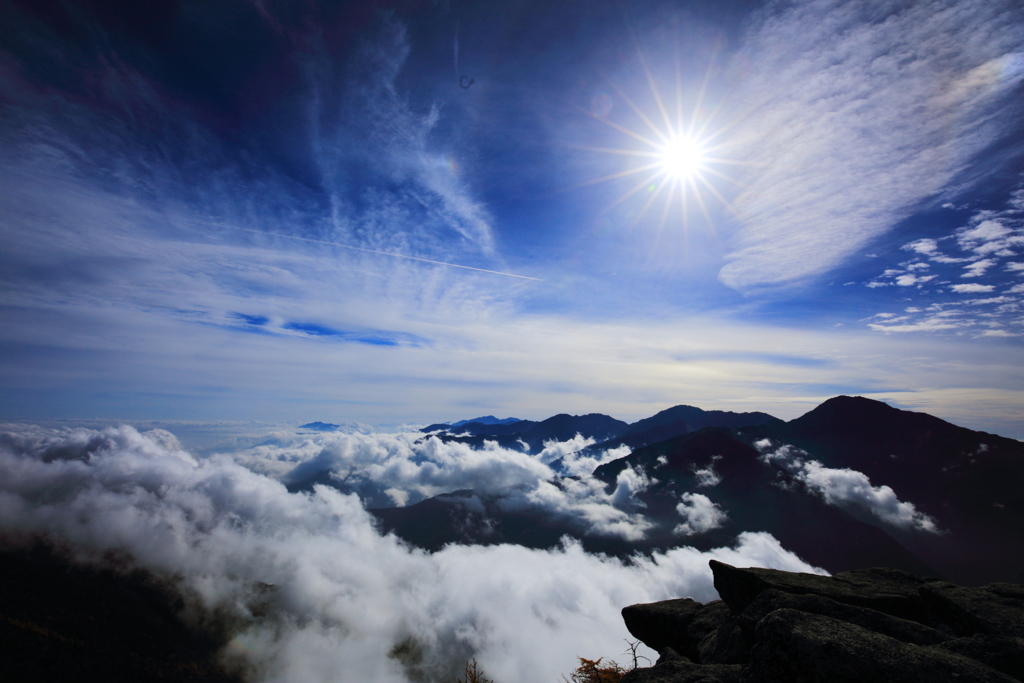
{"points": [[412, 212]]}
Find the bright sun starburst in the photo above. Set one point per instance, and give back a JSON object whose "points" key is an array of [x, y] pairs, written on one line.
{"points": [[682, 157], [683, 154]]}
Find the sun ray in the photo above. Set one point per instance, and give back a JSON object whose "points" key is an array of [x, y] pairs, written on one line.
{"points": [[718, 195], [650, 200], [621, 174], [688, 149], [613, 150], [679, 81], [724, 176], [683, 201], [703, 207], [699, 103], [734, 162], [654, 91], [622, 129], [633, 191], [640, 113], [668, 205]]}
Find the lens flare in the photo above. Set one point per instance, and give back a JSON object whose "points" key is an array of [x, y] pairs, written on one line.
{"points": [[680, 157]]}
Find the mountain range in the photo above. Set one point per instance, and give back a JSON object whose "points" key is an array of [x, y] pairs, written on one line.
{"points": [[853, 483]]}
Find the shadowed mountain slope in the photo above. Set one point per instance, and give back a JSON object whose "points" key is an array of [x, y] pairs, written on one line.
{"points": [[61, 622], [747, 493], [969, 481]]}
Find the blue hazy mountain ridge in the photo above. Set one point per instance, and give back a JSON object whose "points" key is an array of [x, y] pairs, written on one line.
{"points": [[321, 426], [967, 481], [485, 420], [488, 420]]}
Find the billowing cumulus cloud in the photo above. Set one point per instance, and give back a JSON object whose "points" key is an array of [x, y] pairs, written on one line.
{"points": [[402, 469], [846, 487], [827, 92], [345, 602], [707, 476], [699, 514]]}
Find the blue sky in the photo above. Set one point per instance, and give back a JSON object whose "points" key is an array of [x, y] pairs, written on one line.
{"points": [[255, 210]]}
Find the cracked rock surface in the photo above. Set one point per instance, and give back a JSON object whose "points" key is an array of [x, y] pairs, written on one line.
{"points": [[867, 625]]}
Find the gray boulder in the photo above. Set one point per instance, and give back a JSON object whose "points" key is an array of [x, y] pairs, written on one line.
{"points": [[992, 610], [1002, 653], [890, 591], [901, 629], [794, 646], [686, 626], [867, 625]]}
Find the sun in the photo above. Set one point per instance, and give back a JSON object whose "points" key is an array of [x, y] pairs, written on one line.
{"points": [[683, 157], [681, 153]]}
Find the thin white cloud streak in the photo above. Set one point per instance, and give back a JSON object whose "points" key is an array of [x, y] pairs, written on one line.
{"points": [[854, 112], [387, 134], [343, 595], [385, 253], [847, 488]]}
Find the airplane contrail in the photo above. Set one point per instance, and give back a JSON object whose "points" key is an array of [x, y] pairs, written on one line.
{"points": [[385, 253]]}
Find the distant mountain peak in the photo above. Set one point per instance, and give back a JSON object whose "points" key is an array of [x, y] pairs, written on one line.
{"points": [[321, 426], [487, 420]]}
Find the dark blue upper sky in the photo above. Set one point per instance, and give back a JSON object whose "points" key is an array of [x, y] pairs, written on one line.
{"points": [[275, 210]]}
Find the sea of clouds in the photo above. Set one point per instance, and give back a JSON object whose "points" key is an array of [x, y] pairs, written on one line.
{"points": [[310, 588]]}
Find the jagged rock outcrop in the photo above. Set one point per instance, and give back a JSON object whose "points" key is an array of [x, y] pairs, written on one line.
{"points": [[876, 624]]}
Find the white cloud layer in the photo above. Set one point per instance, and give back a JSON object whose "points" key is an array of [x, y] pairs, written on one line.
{"points": [[853, 113], [846, 487], [403, 469], [343, 596]]}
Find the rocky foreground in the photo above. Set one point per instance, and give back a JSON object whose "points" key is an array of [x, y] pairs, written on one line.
{"points": [[877, 625]]}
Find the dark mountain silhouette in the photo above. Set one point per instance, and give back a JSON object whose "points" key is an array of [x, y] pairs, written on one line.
{"points": [[484, 429], [476, 422], [969, 481], [698, 419], [681, 420], [560, 427], [609, 432]]}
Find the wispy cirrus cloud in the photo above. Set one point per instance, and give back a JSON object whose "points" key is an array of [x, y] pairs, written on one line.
{"points": [[854, 112]]}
